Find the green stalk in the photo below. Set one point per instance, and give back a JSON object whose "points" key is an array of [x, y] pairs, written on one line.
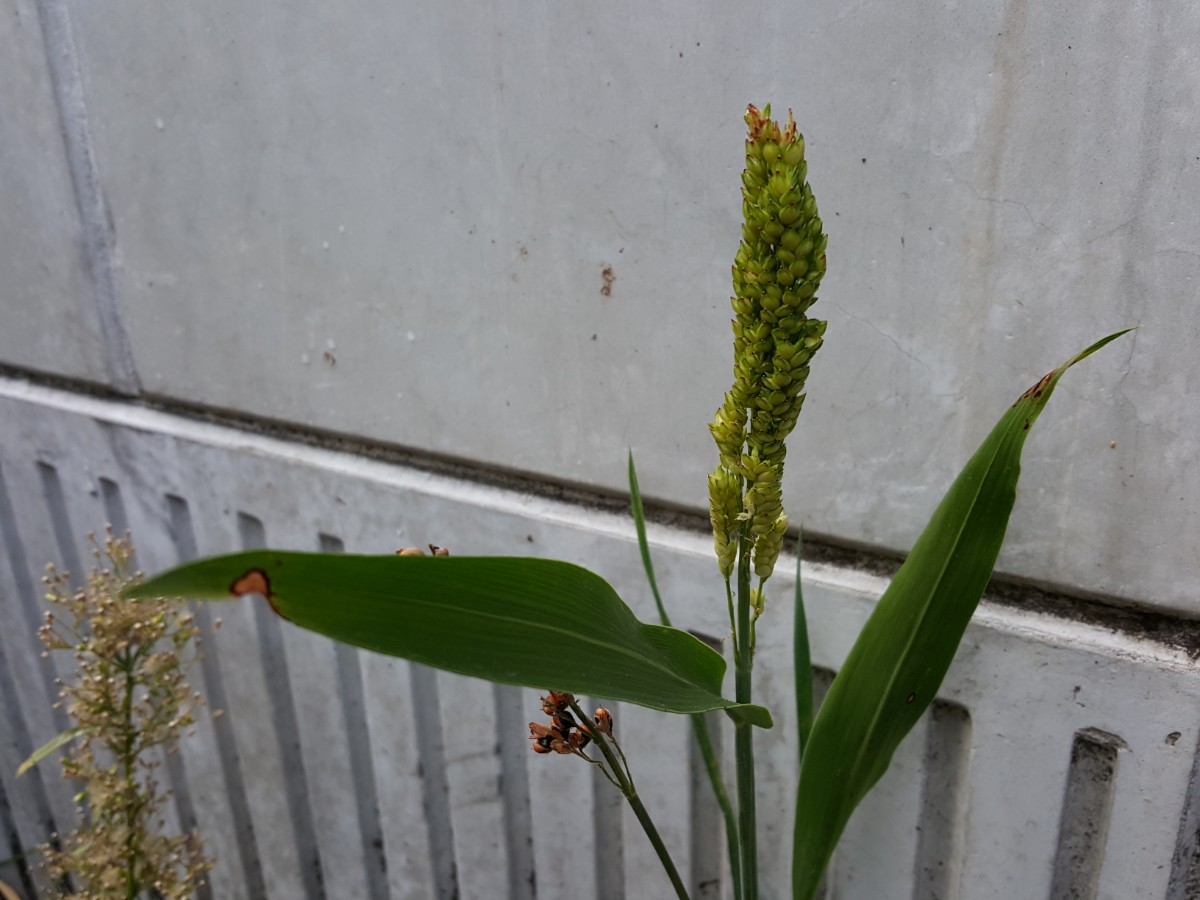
{"points": [[625, 783], [127, 763], [699, 723], [743, 734]]}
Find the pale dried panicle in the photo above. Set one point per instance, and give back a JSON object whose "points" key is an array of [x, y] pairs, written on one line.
{"points": [[130, 700]]}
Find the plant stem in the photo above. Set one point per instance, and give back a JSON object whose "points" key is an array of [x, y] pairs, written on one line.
{"points": [[802, 665], [127, 765], [743, 735], [625, 782]]}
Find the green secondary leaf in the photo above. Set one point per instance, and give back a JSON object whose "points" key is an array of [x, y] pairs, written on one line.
{"points": [[533, 622], [59, 740], [899, 660]]}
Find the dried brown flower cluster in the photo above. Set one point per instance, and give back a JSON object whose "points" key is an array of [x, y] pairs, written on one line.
{"points": [[129, 701], [564, 734]]}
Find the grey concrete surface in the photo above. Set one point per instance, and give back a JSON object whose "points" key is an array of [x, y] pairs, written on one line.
{"points": [[395, 221], [48, 318]]}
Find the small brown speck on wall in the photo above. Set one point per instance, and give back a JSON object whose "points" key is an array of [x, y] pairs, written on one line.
{"points": [[607, 275]]}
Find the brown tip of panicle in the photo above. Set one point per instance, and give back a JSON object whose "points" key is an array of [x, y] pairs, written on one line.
{"points": [[253, 581], [438, 551], [789, 131]]}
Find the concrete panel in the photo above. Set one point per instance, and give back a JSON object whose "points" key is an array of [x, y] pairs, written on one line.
{"points": [[48, 320], [1031, 811], [503, 233]]}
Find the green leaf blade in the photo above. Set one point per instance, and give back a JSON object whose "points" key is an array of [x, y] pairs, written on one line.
{"points": [[902, 655], [60, 740], [531, 622]]}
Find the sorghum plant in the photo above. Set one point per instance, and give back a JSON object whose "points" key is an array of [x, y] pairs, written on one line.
{"points": [[129, 701]]}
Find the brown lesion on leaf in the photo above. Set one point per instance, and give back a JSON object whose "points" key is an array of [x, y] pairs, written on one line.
{"points": [[253, 581], [417, 551], [1038, 389]]}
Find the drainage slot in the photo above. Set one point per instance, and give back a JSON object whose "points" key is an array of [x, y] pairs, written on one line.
{"points": [[608, 807], [1086, 813], [60, 521], [1185, 865], [708, 846], [435, 786], [350, 688], [287, 729], [944, 802], [514, 793], [184, 538]]}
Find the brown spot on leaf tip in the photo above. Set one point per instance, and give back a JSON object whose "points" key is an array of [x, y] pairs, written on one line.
{"points": [[911, 697], [1038, 389], [254, 581]]}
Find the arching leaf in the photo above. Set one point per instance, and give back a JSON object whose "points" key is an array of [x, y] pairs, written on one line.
{"points": [[899, 660], [533, 622]]}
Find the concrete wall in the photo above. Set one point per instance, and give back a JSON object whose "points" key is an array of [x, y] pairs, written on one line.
{"points": [[393, 221]]}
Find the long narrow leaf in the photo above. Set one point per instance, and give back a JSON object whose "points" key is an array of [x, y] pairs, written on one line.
{"points": [[55, 743], [899, 660], [532, 622]]}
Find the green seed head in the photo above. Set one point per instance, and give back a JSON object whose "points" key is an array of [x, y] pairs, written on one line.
{"points": [[776, 273]]}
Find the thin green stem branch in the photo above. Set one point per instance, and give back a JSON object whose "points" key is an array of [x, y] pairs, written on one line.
{"points": [[743, 734], [625, 783], [128, 761]]}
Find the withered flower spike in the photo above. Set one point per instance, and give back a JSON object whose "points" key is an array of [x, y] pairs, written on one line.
{"points": [[555, 702]]}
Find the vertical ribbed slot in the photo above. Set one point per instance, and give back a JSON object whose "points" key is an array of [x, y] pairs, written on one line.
{"points": [[1086, 812], [514, 792], [1185, 866], [287, 728], [114, 511], [706, 824], [184, 538], [944, 800], [435, 786], [60, 521], [19, 739], [608, 808], [27, 601], [16, 870], [350, 687]]}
